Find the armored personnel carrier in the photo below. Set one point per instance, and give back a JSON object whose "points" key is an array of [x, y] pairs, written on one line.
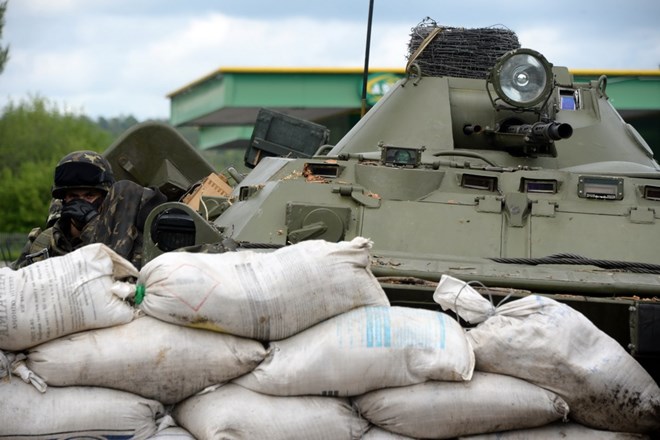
{"points": [[484, 162]]}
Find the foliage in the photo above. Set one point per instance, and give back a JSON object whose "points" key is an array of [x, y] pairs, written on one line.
{"points": [[4, 51], [116, 126], [27, 192], [34, 135]]}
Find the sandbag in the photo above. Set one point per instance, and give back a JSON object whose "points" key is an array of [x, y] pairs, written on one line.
{"points": [[74, 412], [487, 403], [62, 295], [172, 433], [376, 433], [362, 350], [556, 347], [232, 411], [260, 295], [558, 431], [149, 357]]}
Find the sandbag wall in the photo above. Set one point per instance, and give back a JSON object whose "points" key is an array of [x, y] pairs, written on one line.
{"points": [[50, 302], [296, 343]]}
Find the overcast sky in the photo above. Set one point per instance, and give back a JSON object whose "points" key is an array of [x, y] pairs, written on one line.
{"points": [[123, 57]]}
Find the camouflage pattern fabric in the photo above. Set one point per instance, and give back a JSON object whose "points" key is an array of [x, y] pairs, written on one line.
{"points": [[101, 177], [121, 219], [119, 225], [42, 244], [54, 212]]}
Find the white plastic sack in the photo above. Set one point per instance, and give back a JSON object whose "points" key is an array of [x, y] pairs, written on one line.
{"points": [[74, 412], [172, 433], [365, 349], [257, 295], [232, 411], [149, 357], [558, 431], [556, 347], [62, 295], [487, 403], [376, 433]]}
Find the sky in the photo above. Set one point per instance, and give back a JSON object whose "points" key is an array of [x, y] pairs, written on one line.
{"points": [[111, 58]]}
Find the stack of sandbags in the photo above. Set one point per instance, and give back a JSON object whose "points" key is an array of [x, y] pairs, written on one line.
{"points": [[150, 361], [299, 343], [310, 376], [549, 344], [46, 302], [330, 331], [263, 296]]}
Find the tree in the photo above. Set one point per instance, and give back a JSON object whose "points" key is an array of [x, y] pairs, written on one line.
{"points": [[4, 51], [34, 135], [116, 126]]}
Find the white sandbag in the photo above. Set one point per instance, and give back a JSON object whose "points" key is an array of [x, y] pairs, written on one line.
{"points": [[487, 403], [556, 347], [149, 357], [74, 412], [376, 433], [232, 411], [62, 295], [365, 349], [558, 431], [260, 295], [172, 433]]}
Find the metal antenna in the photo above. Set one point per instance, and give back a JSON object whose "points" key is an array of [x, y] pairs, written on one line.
{"points": [[366, 60]]}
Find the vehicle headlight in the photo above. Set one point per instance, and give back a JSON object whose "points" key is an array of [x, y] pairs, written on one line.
{"points": [[522, 78]]}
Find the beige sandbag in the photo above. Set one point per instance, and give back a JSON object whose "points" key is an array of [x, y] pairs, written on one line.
{"points": [[556, 347], [74, 412], [376, 433], [232, 411], [62, 295], [365, 349], [487, 403], [558, 431], [172, 433], [149, 357], [260, 295]]}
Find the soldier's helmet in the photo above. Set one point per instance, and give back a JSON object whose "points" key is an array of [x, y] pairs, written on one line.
{"points": [[82, 169]]}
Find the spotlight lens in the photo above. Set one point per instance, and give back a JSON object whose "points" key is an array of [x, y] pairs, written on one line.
{"points": [[523, 78]]}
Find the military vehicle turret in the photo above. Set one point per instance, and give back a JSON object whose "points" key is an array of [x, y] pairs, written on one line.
{"points": [[494, 167]]}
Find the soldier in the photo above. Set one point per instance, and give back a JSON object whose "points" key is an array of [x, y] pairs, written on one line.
{"points": [[94, 209]]}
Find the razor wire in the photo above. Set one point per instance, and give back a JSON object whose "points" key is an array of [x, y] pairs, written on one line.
{"points": [[459, 52]]}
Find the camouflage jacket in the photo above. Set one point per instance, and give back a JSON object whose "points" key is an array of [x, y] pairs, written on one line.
{"points": [[119, 225]]}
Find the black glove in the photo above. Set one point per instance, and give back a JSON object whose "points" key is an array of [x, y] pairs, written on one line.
{"points": [[79, 212]]}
